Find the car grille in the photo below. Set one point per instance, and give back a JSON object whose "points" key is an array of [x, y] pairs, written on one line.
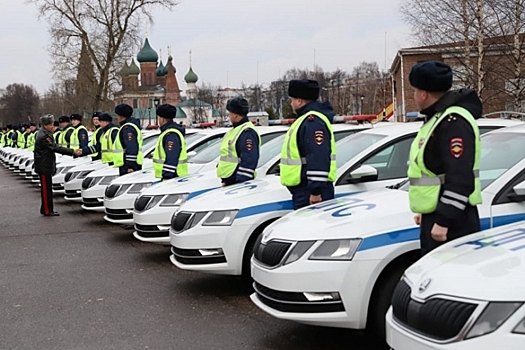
{"points": [[73, 194], [141, 203], [150, 231], [58, 187], [440, 319], [294, 301], [91, 202], [194, 257], [271, 253], [118, 214], [179, 221], [86, 182], [111, 191]]}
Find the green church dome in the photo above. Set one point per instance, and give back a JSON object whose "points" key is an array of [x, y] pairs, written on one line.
{"points": [[124, 71], [133, 69], [191, 77], [161, 70], [147, 54]]}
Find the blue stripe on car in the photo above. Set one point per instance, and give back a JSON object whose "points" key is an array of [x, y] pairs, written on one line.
{"points": [[199, 192], [412, 234], [274, 206]]}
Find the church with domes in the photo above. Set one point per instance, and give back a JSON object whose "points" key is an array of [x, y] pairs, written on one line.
{"points": [[151, 83]]}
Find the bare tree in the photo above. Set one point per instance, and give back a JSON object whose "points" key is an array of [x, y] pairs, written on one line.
{"points": [[109, 30], [21, 104]]}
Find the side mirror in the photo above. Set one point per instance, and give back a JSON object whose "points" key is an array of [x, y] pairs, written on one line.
{"points": [[519, 193], [364, 173], [191, 154]]}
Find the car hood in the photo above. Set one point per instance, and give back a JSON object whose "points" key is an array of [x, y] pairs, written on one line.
{"points": [[256, 194], [78, 161], [352, 216], [488, 265], [146, 175], [92, 165], [192, 183]]}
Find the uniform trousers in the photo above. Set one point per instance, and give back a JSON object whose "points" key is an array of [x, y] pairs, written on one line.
{"points": [[465, 224], [46, 193]]}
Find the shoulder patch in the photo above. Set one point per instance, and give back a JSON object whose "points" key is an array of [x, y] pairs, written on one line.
{"points": [[130, 136], [249, 144], [456, 147], [319, 137], [170, 145]]}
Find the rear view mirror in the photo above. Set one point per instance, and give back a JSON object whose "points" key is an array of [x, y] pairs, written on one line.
{"points": [[518, 194], [364, 173], [191, 154]]}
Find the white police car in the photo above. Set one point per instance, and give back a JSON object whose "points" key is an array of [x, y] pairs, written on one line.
{"points": [[74, 176], [467, 294], [119, 209], [95, 184], [337, 263], [156, 205]]}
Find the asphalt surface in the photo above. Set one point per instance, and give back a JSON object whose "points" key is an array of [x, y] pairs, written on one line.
{"points": [[77, 282]]}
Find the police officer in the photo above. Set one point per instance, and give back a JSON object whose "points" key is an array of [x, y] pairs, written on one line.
{"points": [[9, 135], [240, 146], [444, 157], [45, 163], [308, 165], [31, 138], [65, 131], [107, 135], [3, 137], [79, 136], [127, 153], [95, 137], [169, 157], [19, 140]]}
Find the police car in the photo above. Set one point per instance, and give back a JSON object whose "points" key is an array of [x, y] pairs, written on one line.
{"points": [[155, 206], [337, 263], [119, 209], [95, 183], [467, 294], [215, 232], [73, 176]]}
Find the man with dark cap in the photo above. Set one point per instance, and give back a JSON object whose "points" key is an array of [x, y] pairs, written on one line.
{"points": [[444, 157], [79, 136], [104, 147], [240, 146], [169, 157], [65, 131], [31, 137], [45, 162], [308, 167], [127, 154], [9, 135]]}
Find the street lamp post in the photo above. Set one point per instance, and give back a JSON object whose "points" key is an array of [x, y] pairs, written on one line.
{"points": [[361, 105], [156, 102]]}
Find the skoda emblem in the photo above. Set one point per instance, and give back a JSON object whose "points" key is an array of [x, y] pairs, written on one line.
{"points": [[424, 285]]}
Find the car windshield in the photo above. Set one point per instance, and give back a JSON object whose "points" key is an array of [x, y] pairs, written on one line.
{"points": [[214, 150], [499, 153], [354, 144], [192, 138], [149, 141], [270, 149]]}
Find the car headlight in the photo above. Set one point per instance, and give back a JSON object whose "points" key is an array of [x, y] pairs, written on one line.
{"points": [[122, 189], [83, 174], [338, 249], [90, 182], [298, 250], [136, 188], [106, 180], [520, 328], [153, 202], [220, 218], [173, 200], [491, 318]]}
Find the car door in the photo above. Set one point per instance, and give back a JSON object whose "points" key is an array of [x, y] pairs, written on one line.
{"points": [[384, 167], [507, 206]]}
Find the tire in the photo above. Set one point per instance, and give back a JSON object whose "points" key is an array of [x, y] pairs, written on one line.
{"points": [[381, 299]]}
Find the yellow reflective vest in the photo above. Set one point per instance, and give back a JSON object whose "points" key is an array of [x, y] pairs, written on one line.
{"points": [[159, 156], [291, 160], [118, 150], [424, 184]]}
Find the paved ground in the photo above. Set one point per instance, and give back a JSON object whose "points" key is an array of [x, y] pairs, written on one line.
{"points": [[77, 282]]}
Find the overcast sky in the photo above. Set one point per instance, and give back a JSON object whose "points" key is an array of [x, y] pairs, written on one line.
{"points": [[232, 41]]}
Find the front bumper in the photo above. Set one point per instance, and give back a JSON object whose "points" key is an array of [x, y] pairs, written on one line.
{"points": [[73, 190], [93, 199], [119, 210], [153, 225], [231, 240], [281, 291], [400, 338]]}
